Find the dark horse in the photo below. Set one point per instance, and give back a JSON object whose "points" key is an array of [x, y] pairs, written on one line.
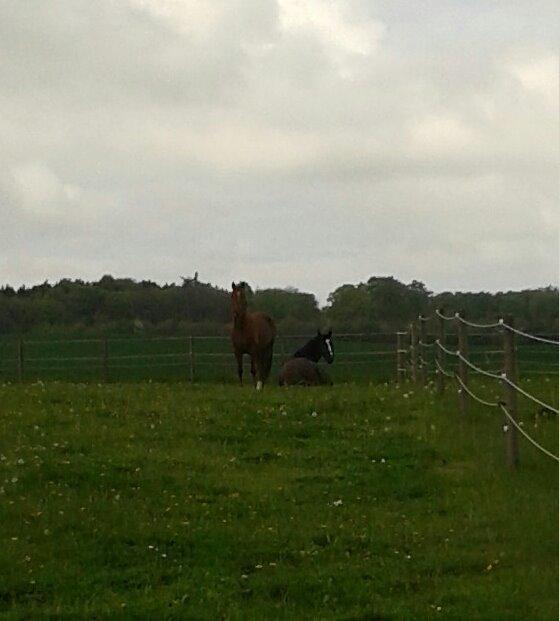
{"points": [[302, 368], [318, 347], [252, 334]]}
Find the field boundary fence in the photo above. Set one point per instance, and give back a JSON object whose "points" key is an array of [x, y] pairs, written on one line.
{"points": [[187, 358], [447, 356]]}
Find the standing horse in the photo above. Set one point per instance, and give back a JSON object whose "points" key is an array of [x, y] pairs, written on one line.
{"points": [[252, 334], [302, 369]]}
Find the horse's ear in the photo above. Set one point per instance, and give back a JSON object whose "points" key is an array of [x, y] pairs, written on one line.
{"points": [[330, 333], [233, 286], [318, 332]]}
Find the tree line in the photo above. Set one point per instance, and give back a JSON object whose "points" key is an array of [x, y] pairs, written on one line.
{"points": [[126, 306]]}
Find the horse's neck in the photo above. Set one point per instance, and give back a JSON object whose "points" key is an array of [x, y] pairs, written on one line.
{"points": [[309, 351], [239, 321]]}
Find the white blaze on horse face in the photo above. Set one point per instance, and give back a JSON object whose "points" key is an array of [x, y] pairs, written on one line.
{"points": [[258, 385], [328, 344]]}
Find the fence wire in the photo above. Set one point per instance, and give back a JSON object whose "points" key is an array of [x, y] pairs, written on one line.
{"points": [[445, 350], [477, 369], [445, 317], [528, 395], [441, 370], [532, 337], [480, 326], [527, 435], [490, 404]]}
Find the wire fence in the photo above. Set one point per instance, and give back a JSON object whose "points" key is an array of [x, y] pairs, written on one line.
{"points": [[376, 356], [454, 359], [358, 356]]}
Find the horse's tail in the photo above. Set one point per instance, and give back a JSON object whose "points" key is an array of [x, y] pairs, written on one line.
{"points": [[272, 325]]}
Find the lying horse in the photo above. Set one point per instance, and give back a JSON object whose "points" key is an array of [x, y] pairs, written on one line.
{"points": [[318, 347], [253, 334], [302, 369]]}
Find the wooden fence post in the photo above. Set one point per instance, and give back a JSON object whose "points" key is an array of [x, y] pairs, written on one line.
{"points": [[509, 395], [20, 361], [440, 354], [105, 360], [399, 358], [191, 358], [413, 351], [422, 363], [462, 366]]}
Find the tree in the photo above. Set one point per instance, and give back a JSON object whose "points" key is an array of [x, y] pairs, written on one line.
{"points": [[381, 303], [350, 308], [287, 303]]}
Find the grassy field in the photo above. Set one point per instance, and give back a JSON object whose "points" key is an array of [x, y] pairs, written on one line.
{"points": [[361, 502]]}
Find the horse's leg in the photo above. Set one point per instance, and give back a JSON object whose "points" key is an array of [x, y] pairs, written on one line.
{"points": [[253, 369], [257, 365], [239, 357], [268, 357]]}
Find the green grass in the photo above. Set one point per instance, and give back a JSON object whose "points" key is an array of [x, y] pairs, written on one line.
{"points": [[170, 501]]}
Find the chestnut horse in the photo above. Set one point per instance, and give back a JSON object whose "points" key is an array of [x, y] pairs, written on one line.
{"points": [[252, 334]]}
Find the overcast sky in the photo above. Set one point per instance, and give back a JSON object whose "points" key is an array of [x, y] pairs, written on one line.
{"points": [[284, 142]]}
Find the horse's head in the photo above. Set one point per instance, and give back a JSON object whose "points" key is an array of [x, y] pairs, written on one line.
{"points": [[238, 300], [326, 346]]}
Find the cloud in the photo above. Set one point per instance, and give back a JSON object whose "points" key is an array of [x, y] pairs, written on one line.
{"points": [[441, 135], [298, 142], [343, 36], [539, 76], [38, 191], [197, 18]]}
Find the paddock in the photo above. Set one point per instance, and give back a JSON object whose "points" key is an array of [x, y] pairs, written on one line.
{"points": [[206, 501]]}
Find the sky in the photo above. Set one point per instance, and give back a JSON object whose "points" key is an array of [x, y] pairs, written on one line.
{"points": [[304, 143]]}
